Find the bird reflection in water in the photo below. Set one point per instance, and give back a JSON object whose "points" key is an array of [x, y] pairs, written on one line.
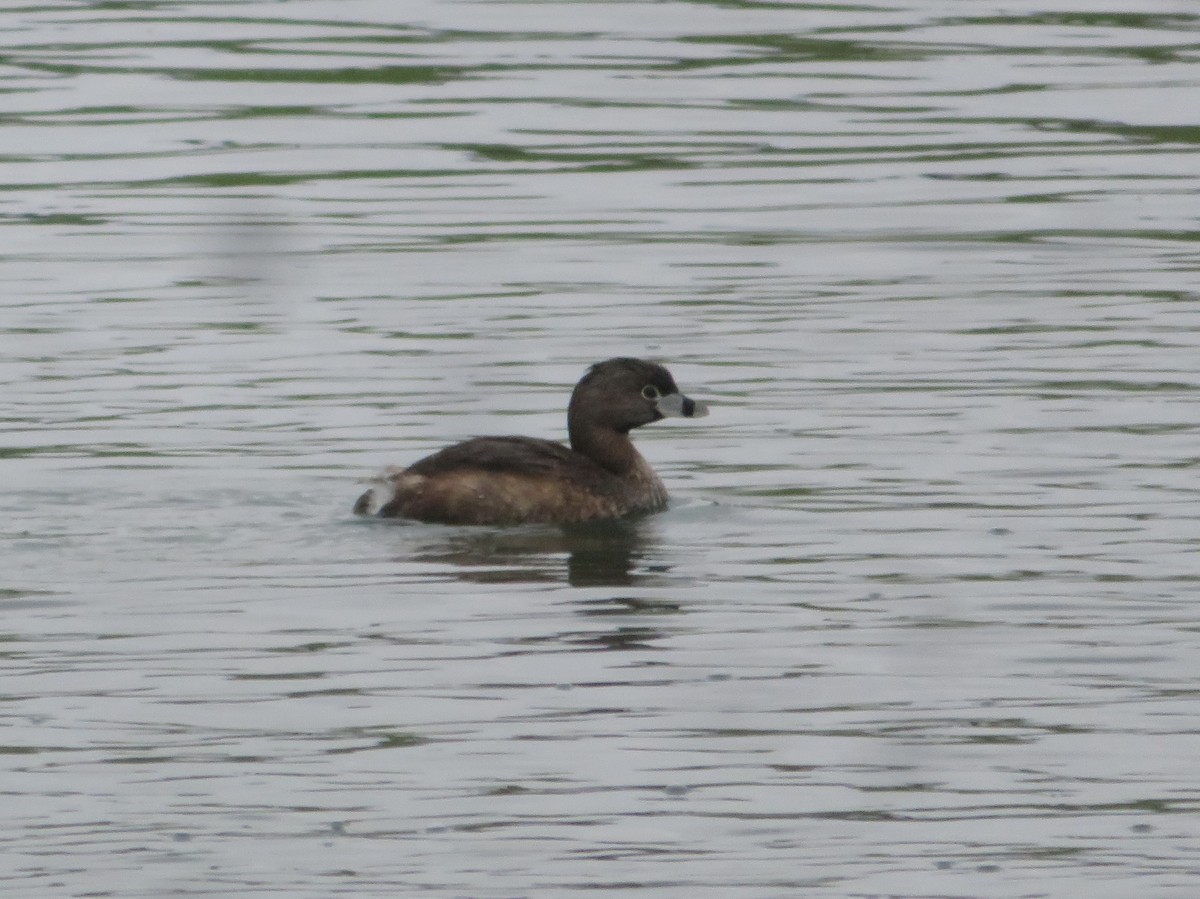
{"points": [[594, 554]]}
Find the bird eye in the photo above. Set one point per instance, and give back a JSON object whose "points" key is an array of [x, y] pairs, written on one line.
{"points": [[650, 392]]}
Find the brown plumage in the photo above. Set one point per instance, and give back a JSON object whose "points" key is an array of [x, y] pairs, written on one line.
{"points": [[509, 480]]}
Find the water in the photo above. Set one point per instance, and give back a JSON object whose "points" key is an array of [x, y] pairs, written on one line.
{"points": [[919, 622]]}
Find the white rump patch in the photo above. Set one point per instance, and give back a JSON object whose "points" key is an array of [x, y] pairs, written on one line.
{"points": [[380, 491], [382, 488]]}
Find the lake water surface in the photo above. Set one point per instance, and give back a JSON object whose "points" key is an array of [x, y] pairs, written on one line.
{"points": [[920, 621]]}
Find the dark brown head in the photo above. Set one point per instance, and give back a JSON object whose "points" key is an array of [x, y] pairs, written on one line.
{"points": [[622, 394]]}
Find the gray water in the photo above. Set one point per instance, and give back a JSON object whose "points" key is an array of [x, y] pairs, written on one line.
{"points": [[921, 618]]}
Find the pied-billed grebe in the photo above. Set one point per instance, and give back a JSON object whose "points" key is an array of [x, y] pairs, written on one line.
{"points": [[509, 480]]}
